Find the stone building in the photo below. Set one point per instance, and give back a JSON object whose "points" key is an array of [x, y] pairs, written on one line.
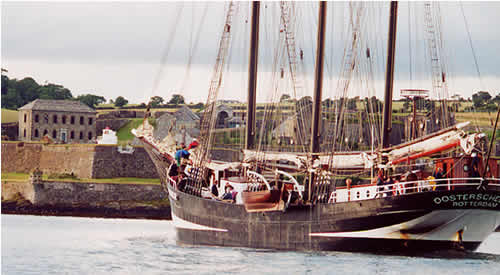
{"points": [[64, 121]]}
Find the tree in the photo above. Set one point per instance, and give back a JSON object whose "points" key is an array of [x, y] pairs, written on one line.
{"points": [[198, 105], [156, 100], [120, 101], [304, 101], [91, 100], [54, 91], [373, 105], [351, 104], [28, 89], [496, 99], [284, 97], [480, 99], [328, 103], [176, 99]]}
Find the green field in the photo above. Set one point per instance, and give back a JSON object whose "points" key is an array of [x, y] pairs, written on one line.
{"points": [[9, 116], [124, 133]]}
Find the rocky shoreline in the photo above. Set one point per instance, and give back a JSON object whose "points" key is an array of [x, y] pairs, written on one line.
{"points": [[156, 210]]}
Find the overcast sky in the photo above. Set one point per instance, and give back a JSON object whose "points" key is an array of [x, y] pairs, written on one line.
{"points": [[116, 48]]}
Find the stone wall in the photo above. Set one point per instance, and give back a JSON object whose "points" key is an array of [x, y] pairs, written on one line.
{"points": [[71, 193], [122, 114], [83, 161], [20, 157], [109, 163], [74, 159], [12, 189]]}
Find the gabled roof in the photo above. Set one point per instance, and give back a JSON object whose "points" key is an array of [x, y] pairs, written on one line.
{"points": [[58, 106], [184, 114]]}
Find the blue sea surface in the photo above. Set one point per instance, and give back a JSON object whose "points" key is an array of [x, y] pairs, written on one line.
{"points": [[67, 245]]}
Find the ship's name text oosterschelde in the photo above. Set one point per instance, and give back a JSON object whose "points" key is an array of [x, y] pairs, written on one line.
{"points": [[461, 200]]}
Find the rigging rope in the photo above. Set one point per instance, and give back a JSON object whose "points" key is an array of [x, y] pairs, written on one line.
{"points": [[166, 53], [472, 46]]}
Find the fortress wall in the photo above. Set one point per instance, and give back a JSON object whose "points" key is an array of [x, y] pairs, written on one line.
{"points": [[20, 157], [71, 193], [67, 159], [81, 160], [12, 189], [110, 163]]}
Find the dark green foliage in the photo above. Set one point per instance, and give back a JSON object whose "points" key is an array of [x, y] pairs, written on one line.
{"points": [[156, 101], [17, 93], [91, 100], [480, 99], [176, 99], [373, 105], [54, 91], [120, 101], [284, 97], [351, 103], [198, 105]]}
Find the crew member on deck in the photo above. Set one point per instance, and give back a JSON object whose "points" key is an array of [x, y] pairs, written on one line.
{"points": [[215, 191], [181, 154], [228, 195], [380, 183], [193, 144]]}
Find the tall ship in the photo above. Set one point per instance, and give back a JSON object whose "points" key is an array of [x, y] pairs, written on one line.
{"points": [[315, 191]]}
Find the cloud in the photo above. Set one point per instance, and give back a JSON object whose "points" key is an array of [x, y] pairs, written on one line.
{"points": [[115, 48]]}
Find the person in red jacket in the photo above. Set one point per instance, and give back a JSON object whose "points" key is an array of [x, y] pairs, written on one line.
{"points": [[193, 144]]}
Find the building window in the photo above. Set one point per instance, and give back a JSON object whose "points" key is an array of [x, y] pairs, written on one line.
{"points": [[81, 135], [45, 132], [24, 132], [90, 121], [54, 119], [54, 134], [81, 120], [36, 133], [25, 119], [90, 135], [36, 118], [72, 119], [72, 135], [63, 119]]}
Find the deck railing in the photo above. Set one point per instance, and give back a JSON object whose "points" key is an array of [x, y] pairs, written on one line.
{"points": [[409, 187]]}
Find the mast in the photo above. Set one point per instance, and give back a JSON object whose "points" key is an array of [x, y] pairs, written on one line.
{"points": [[318, 84], [389, 76], [318, 78], [252, 76]]}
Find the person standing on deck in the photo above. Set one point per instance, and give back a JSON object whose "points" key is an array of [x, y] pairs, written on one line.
{"points": [[181, 154], [193, 144]]}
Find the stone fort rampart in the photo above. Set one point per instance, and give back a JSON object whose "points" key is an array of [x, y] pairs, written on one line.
{"points": [[81, 160]]}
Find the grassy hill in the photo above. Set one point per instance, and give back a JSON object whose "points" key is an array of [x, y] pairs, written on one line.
{"points": [[9, 116], [125, 135]]}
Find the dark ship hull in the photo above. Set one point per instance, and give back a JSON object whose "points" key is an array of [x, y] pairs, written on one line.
{"points": [[411, 222], [426, 221]]}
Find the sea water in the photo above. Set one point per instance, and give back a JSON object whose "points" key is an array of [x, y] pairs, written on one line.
{"points": [[66, 245]]}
